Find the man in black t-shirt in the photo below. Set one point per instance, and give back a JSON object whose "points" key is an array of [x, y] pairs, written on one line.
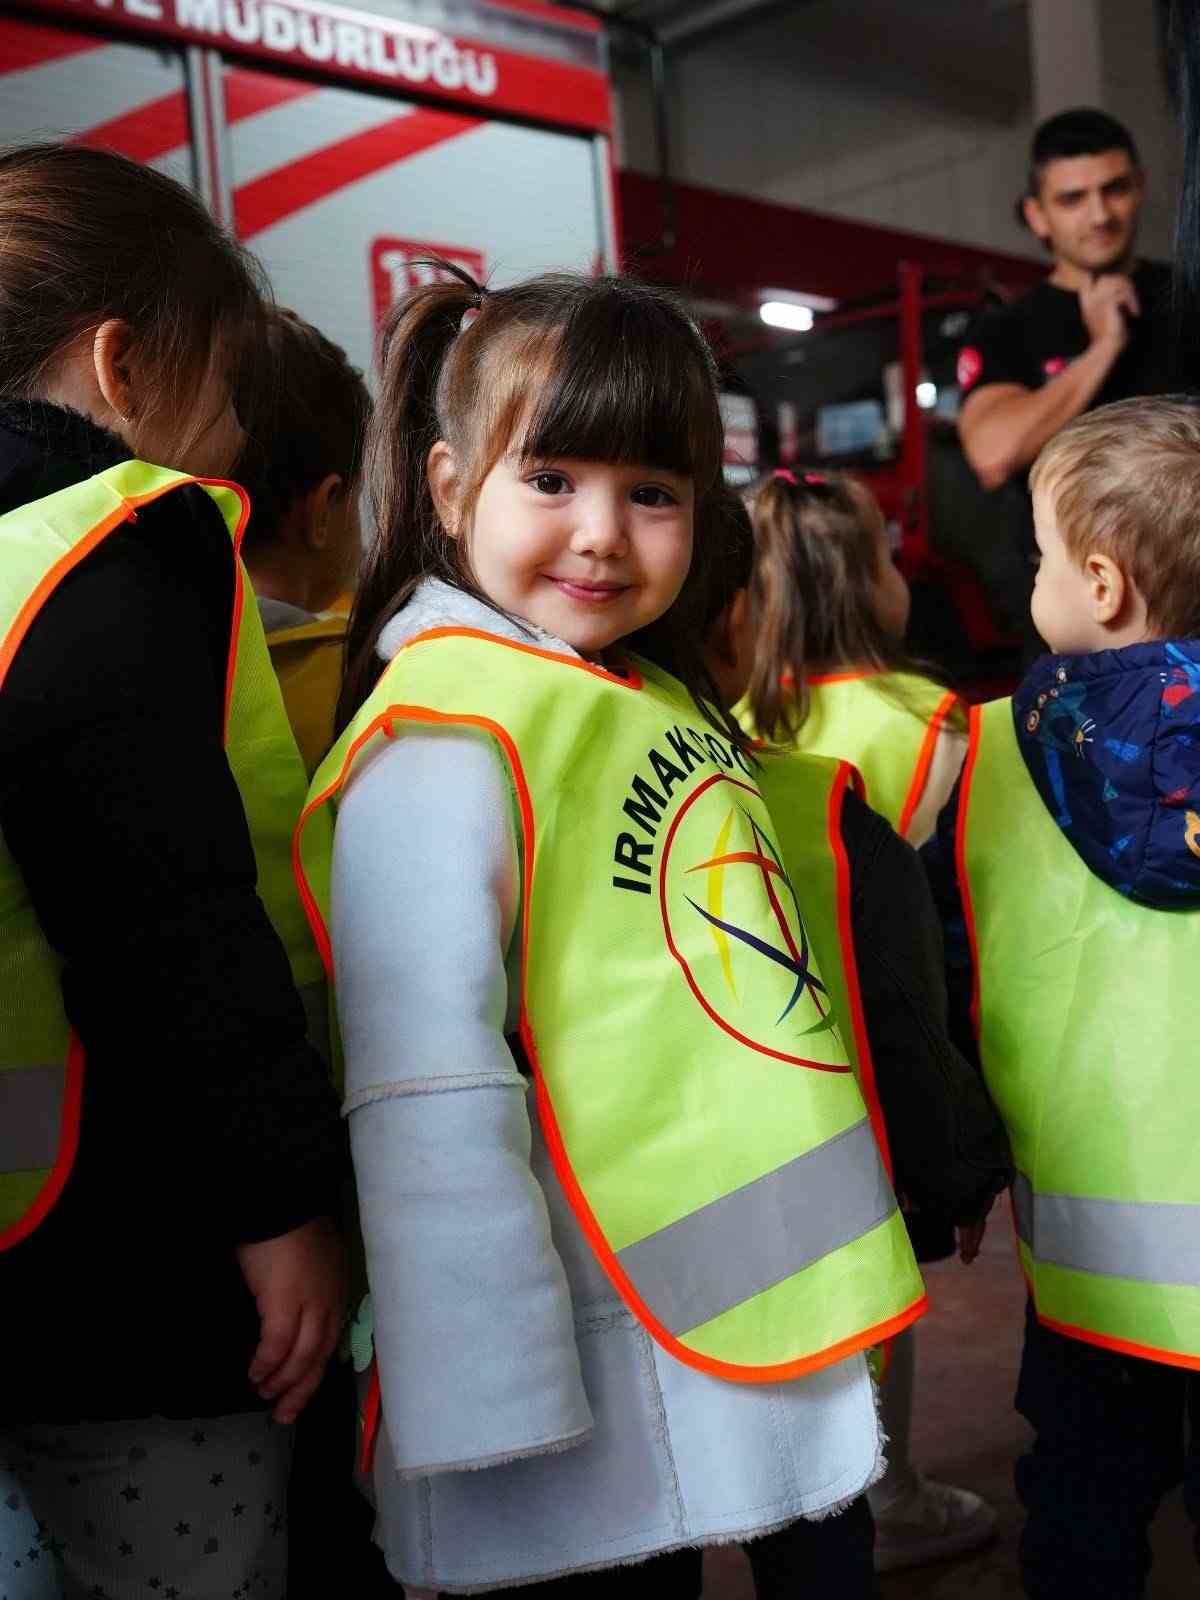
{"points": [[1097, 329]]}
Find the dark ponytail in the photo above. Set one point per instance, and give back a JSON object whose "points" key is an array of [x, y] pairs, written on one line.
{"points": [[408, 544]]}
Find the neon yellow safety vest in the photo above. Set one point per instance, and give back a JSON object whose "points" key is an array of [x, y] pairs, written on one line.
{"points": [[692, 1081], [887, 725], [41, 1059], [307, 659], [1083, 1009]]}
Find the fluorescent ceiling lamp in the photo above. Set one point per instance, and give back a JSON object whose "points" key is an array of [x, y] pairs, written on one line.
{"points": [[798, 297], [927, 395], [786, 314]]}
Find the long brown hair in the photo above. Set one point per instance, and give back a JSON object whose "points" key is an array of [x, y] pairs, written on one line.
{"points": [[596, 369], [89, 236], [812, 593]]}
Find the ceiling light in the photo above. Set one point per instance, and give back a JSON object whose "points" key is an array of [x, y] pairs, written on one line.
{"points": [[927, 395], [786, 314]]}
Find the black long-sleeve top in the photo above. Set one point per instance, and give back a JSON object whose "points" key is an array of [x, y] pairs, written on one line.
{"points": [[208, 1121]]}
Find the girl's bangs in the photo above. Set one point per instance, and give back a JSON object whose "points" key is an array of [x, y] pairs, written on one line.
{"points": [[625, 380]]}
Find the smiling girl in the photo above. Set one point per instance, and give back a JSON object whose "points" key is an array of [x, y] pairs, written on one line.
{"points": [[633, 1324]]}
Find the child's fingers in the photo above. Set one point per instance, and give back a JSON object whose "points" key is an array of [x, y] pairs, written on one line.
{"points": [[310, 1350], [290, 1405], [295, 1395], [280, 1327]]}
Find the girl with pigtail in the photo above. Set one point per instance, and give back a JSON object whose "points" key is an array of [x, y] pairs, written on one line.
{"points": [[831, 674], [627, 1229]]}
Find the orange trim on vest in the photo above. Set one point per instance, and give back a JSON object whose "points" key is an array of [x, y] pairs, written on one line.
{"points": [[239, 589], [550, 1130], [851, 675], [974, 731], [629, 680], [1124, 1347], [846, 777], [945, 706], [372, 1414], [64, 1160]]}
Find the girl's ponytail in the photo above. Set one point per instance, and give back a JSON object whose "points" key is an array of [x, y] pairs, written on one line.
{"points": [[814, 595], [782, 577], [407, 545]]}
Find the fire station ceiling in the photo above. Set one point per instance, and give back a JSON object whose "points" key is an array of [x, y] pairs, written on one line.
{"points": [[975, 54]]}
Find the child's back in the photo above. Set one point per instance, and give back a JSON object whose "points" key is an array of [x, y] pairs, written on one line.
{"points": [[1072, 856], [1080, 856]]}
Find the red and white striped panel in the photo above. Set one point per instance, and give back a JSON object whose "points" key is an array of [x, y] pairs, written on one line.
{"points": [[327, 182], [55, 83]]}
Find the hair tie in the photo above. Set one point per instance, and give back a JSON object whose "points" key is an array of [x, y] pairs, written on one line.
{"points": [[812, 478], [786, 475]]}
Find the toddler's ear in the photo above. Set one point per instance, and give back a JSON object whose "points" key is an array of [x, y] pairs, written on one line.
{"points": [[1108, 589], [445, 486]]}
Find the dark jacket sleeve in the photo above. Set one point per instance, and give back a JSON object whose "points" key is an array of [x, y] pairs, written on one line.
{"points": [[948, 1146], [119, 806], [940, 860]]}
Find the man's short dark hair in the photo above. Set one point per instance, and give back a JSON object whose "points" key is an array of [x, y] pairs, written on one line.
{"points": [[1083, 131]]}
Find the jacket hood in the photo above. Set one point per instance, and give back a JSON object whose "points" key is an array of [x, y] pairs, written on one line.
{"points": [[1112, 742], [436, 604]]}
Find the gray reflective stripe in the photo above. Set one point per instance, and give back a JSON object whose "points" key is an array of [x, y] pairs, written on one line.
{"points": [[741, 1244], [31, 1102], [1147, 1241]]}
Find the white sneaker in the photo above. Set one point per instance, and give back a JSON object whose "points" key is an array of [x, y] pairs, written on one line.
{"points": [[929, 1522]]}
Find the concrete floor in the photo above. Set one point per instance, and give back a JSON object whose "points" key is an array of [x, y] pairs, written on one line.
{"points": [[966, 1432]]}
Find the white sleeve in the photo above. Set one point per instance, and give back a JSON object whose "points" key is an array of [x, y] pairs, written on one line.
{"points": [[473, 1322]]}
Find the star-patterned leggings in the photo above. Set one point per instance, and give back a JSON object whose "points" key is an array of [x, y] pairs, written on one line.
{"points": [[155, 1509]]}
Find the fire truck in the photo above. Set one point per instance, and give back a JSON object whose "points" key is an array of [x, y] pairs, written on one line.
{"points": [[342, 146]]}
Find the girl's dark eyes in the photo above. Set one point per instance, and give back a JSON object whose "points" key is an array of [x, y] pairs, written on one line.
{"points": [[549, 482], [646, 494], [652, 494]]}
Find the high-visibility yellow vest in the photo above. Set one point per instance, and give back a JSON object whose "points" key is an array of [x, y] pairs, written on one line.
{"points": [[308, 663], [1083, 1002], [41, 1059], [692, 1077], [887, 725]]}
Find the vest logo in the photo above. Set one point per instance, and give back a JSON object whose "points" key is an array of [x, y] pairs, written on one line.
{"points": [[733, 922]]}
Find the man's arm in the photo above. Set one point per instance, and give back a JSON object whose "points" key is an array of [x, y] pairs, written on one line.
{"points": [[1003, 426]]}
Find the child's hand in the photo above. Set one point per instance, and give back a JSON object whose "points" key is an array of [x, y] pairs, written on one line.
{"points": [[299, 1284], [970, 1237]]}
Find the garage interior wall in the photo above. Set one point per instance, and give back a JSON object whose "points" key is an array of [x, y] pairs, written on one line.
{"points": [[909, 113]]}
